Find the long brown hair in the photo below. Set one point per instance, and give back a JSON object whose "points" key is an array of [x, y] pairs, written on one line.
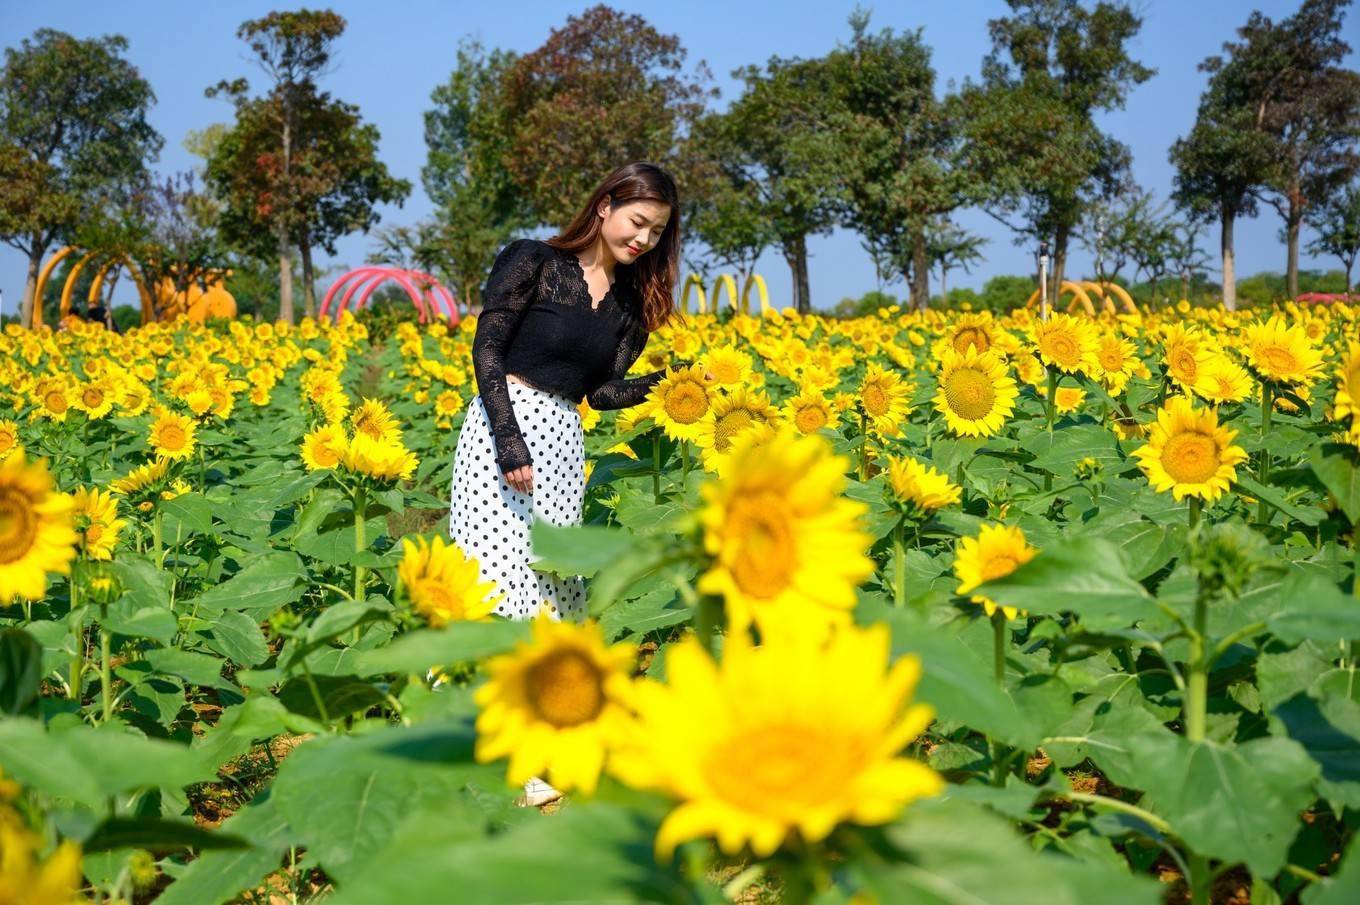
{"points": [[654, 273]]}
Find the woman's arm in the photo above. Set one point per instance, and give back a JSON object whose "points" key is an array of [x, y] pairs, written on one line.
{"points": [[510, 289], [621, 392]]}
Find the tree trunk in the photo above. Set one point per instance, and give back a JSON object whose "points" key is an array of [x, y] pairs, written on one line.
{"points": [[797, 259], [1060, 237], [1349, 265], [1229, 263], [30, 286], [308, 289], [285, 279], [920, 268], [944, 290], [1292, 225]]}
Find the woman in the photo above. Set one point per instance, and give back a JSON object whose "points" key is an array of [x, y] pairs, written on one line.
{"points": [[561, 319]]}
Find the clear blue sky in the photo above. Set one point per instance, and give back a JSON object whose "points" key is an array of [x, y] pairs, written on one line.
{"points": [[394, 53]]}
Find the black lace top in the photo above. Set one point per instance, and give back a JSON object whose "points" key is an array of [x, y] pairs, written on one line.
{"points": [[537, 322]]}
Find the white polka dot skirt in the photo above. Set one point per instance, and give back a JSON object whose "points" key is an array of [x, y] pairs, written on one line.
{"points": [[490, 520]]}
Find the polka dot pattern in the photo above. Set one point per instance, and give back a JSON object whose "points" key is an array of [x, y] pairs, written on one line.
{"points": [[491, 520]]}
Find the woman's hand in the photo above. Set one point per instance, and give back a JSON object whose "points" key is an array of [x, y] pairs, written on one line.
{"points": [[522, 478]]}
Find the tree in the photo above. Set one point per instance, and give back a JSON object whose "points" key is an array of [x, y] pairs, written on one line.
{"points": [[73, 138], [179, 240], [1029, 128], [478, 205], [604, 89], [768, 169], [293, 48], [1185, 255], [949, 246], [1219, 167], [1300, 97], [897, 147], [1337, 223]]}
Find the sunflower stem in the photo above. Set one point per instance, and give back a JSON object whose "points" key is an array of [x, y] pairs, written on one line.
{"points": [[863, 445], [999, 674], [1051, 401], [78, 658], [1263, 471], [1196, 504], [1197, 680], [684, 459], [156, 537], [899, 566], [359, 543], [656, 469], [707, 618], [105, 654]]}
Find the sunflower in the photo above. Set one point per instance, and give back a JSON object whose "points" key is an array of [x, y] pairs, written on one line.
{"points": [[557, 703], [1224, 381], [1189, 453], [27, 879], [730, 415], [323, 447], [143, 477], [372, 418], [729, 365], [1346, 404], [1066, 343], [448, 403], [1068, 399], [54, 397], [384, 460], [37, 534], [94, 398], [172, 435], [809, 411], [1118, 361], [997, 550], [1186, 356], [97, 522], [442, 583], [1281, 353], [975, 393], [970, 331], [886, 398], [9, 437], [920, 485], [761, 746], [680, 401], [783, 538]]}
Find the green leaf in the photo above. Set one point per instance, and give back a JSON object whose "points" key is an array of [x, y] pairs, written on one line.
{"points": [[418, 651], [954, 853], [1314, 608], [1343, 887], [87, 765], [1308, 515], [263, 584], [20, 671], [340, 695], [157, 834], [1083, 575], [191, 510], [216, 877], [589, 852], [1058, 453], [1336, 467], [196, 669], [955, 680], [345, 797], [1237, 803], [237, 637], [583, 550]]}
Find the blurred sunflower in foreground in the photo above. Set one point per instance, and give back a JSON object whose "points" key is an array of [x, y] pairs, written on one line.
{"points": [[761, 746]]}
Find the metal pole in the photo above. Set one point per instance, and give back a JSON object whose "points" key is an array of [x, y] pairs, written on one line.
{"points": [[1043, 281]]}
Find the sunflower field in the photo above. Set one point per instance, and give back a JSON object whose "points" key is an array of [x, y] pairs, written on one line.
{"points": [[919, 607]]}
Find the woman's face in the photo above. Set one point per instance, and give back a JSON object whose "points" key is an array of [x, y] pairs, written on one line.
{"points": [[631, 230]]}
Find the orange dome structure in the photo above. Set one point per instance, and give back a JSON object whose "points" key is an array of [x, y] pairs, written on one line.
{"points": [[159, 302]]}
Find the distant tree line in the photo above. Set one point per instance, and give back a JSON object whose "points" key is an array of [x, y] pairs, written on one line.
{"points": [[860, 138]]}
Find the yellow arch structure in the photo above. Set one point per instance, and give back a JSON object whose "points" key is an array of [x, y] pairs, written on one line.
{"points": [[165, 303], [1081, 292], [726, 281]]}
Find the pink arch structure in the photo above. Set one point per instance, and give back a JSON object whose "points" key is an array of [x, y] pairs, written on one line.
{"points": [[427, 294]]}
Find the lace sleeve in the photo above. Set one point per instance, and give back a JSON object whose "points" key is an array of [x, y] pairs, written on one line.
{"points": [[510, 289], [623, 392]]}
